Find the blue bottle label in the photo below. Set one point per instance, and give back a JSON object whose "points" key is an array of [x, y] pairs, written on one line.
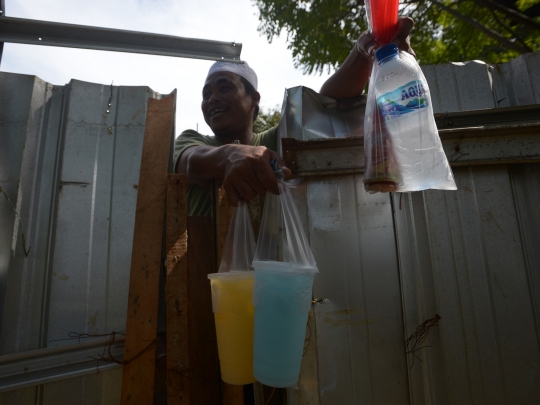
{"points": [[404, 100]]}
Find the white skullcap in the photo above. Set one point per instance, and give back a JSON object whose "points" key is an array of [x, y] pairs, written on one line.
{"points": [[241, 69]]}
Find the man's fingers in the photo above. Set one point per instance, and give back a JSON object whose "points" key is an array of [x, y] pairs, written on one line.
{"points": [[232, 195], [405, 26], [286, 171], [251, 173], [401, 38], [256, 183], [280, 163], [366, 44], [246, 191], [239, 190], [265, 173]]}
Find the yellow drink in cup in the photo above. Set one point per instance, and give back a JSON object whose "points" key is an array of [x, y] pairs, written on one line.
{"points": [[233, 314]]}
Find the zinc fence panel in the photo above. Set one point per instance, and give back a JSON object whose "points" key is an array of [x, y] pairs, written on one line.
{"points": [[27, 120], [359, 327], [486, 291], [470, 257], [72, 174]]}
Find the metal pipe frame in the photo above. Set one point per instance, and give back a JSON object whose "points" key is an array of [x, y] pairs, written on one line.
{"points": [[42, 366], [34, 32], [2, 14]]}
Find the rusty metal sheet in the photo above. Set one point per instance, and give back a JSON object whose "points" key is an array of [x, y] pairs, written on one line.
{"points": [[324, 157], [489, 118], [501, 144]]}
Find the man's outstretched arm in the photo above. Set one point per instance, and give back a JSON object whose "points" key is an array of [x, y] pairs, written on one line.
{"points": [[351, 77], [244, 170]]}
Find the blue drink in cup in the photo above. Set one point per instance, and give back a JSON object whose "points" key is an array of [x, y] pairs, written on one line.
{"points": [[282, 298]]}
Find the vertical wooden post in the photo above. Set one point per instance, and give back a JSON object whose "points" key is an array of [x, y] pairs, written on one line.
{"points": [[141, 324], [203, 374], [222, 218], [256, 207], [192, 361], [192, 364], [176, 291]]}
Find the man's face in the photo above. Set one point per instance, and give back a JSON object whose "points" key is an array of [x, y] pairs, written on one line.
{"points": [[226, 106]]}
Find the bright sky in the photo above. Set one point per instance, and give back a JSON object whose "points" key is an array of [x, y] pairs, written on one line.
{"points": [[230, 20]]}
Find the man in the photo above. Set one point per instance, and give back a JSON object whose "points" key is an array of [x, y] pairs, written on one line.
{"points": [[236, 156], [229, 105]]}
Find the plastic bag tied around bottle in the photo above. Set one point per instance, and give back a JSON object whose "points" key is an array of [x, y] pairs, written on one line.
{"points": [[402, 147]]}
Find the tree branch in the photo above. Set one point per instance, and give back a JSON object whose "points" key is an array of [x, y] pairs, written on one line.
{"points": [[506, 27], [486, 30], [452, 41], [512, 14]]}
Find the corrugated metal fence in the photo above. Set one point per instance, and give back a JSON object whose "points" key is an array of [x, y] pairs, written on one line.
{"points": [[70, 158], [473, 256], [69, 165], [390, 262]]}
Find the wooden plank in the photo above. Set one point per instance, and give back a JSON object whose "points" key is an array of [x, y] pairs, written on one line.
{"points": [[265, 395], [232, 394], [256, 207], [222, 219], [176, 291], [141, 324], [222, 215], [203, 373]]}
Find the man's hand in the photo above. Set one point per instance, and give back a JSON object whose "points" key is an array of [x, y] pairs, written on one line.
{"points": [[367, 44], [248, 172], [351, 77], [244, 170]]}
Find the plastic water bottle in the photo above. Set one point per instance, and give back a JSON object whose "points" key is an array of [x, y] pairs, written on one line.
{"points": [[404, 107]]}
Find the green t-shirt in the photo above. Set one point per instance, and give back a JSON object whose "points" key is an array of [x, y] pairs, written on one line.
{"points": [[198, 197]]}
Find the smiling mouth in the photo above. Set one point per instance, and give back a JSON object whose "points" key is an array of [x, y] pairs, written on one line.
{"points": [[217, 111]]}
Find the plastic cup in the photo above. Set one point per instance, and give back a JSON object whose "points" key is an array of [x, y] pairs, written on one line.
{"points": [[384, 15], [282, 298], [233, 315]]}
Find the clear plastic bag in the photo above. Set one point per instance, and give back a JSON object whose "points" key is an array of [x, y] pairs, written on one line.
{"points": [[402, 148], [232, 291], [240, 243], [282, 237], [284, 270]]}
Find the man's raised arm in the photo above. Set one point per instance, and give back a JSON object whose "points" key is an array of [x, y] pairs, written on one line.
{"points": [[351, 77]]}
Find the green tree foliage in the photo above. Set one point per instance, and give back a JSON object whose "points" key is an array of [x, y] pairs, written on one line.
{"points": [[266, 119], [321, 33]]}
